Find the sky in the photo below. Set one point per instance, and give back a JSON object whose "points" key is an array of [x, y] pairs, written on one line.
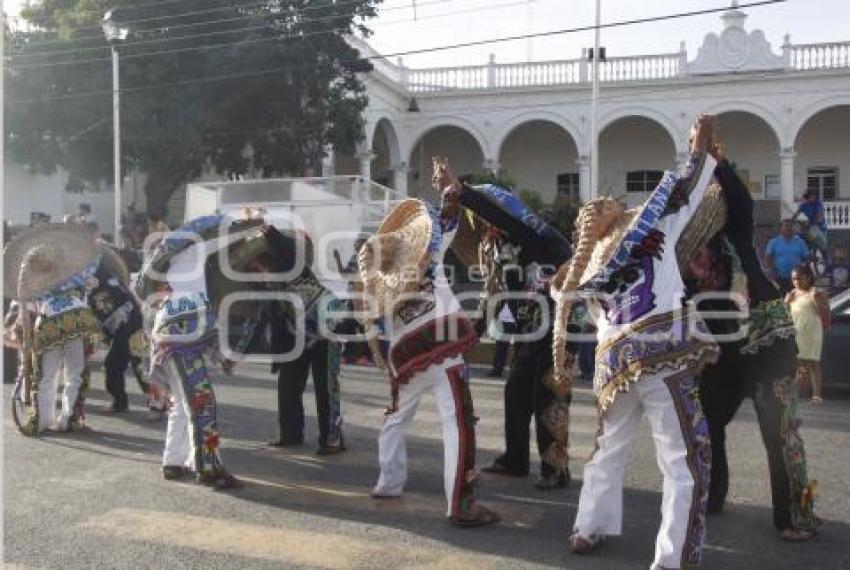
{"points": [[444, 22], [808, 21]]}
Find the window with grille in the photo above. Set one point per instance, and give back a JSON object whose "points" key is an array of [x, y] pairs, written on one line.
{"points": [[643, 180], [824, 181], [568, 186]]}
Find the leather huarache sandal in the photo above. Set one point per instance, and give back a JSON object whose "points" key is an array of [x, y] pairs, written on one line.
{"points": [[476, 516]]}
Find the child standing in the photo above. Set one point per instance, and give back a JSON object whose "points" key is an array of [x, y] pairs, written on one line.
{"points": [[809, 310]]}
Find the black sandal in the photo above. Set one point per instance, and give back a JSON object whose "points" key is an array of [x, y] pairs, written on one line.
{"points": [[220, 481]]}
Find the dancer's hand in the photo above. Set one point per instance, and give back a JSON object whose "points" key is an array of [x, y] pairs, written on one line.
{"points": [[227, 366], [702, 134], [443, 179]]}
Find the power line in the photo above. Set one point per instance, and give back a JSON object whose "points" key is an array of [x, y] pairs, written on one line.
{"points": [[221, 9], [261, 73], [263, 40]]}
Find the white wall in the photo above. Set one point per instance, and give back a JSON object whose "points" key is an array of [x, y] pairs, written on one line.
{"points": [[26, 192], [534, 154], [824, 141], [465, 157], [751, 145], [632, 143]]}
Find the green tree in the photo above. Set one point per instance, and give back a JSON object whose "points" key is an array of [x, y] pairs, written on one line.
{"points": [[293, 87]]}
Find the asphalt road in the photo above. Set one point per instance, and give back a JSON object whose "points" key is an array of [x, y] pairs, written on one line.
{"points": [[97, 500]]}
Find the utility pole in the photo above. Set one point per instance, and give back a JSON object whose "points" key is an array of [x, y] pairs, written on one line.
{"points": [[529, 29], [594, 136]]}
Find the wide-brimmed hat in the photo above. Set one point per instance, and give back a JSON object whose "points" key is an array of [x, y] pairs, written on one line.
{"points": [[47, 257], [392, 261], [469, 236], [113, 264], [707, 221]]}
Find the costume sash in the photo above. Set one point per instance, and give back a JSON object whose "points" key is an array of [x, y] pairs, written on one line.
{"points": [[539, 241], [644, 221]]}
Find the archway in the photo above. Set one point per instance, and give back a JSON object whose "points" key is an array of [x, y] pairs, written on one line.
{"points": [[465, 155], [540, 155], [823, 154], [634, 151], [752, 146]]}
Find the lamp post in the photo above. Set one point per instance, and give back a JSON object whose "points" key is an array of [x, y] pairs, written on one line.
{"points": [[114, 34], [594, 136]]}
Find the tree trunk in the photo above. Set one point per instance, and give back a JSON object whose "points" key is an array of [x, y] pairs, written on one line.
{"points": [[159, 187]]}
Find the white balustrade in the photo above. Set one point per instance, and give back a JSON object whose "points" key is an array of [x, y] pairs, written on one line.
{"points": [[837, 215], [833, 55], [536, 74], [638, 68], [448, 79], [659, 67]]}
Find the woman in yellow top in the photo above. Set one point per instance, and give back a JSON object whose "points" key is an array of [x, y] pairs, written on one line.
{"points": [[809, 310]]}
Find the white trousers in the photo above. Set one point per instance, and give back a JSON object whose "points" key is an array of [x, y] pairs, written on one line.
{"points": [[179, 435], [72, 355], [392, 451], [682, 453]]}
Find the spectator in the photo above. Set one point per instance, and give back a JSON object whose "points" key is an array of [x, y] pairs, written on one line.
{"points": [[785, 252], [156, 228], [809, 309], [38, 218], [84, 213], [812, 208]]}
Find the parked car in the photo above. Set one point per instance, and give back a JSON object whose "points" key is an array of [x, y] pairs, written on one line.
{"points": [[835, 359]]}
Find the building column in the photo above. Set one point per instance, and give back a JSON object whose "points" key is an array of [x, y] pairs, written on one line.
{"points": [[366, 159], [490, 166], [681, 159], [400, 174], [786, 180], [583, 163]]}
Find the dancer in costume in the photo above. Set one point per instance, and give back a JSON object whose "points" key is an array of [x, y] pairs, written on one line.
{"points": [[648, 360], [529, 390], [184, 334], [47, 268], [428, 332], [120, 317], [64, 325], [320, 355], [719, 255]]}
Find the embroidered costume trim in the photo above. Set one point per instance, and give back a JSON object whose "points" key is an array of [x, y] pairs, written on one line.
{"points": [[769, 322], [660, 342], [802, 490], [433, 342], [466, 475], [50, 332], [685, 394]]}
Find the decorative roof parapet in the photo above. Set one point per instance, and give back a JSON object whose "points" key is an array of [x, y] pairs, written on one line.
{"points": [[735, 49]]}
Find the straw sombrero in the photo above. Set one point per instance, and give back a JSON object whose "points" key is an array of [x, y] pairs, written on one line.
{"points": [[112, 263], [392, 261], [470, 235], [706, 222], [47, 257]]}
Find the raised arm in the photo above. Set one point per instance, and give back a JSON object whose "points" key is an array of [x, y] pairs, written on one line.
{"points": [[694, 179]]}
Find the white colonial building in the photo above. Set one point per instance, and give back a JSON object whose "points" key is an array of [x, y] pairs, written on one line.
{"points": [[784, 120]]}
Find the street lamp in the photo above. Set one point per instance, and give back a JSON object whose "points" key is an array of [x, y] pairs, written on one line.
{"points": [[115, 34], [594, 109]]}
